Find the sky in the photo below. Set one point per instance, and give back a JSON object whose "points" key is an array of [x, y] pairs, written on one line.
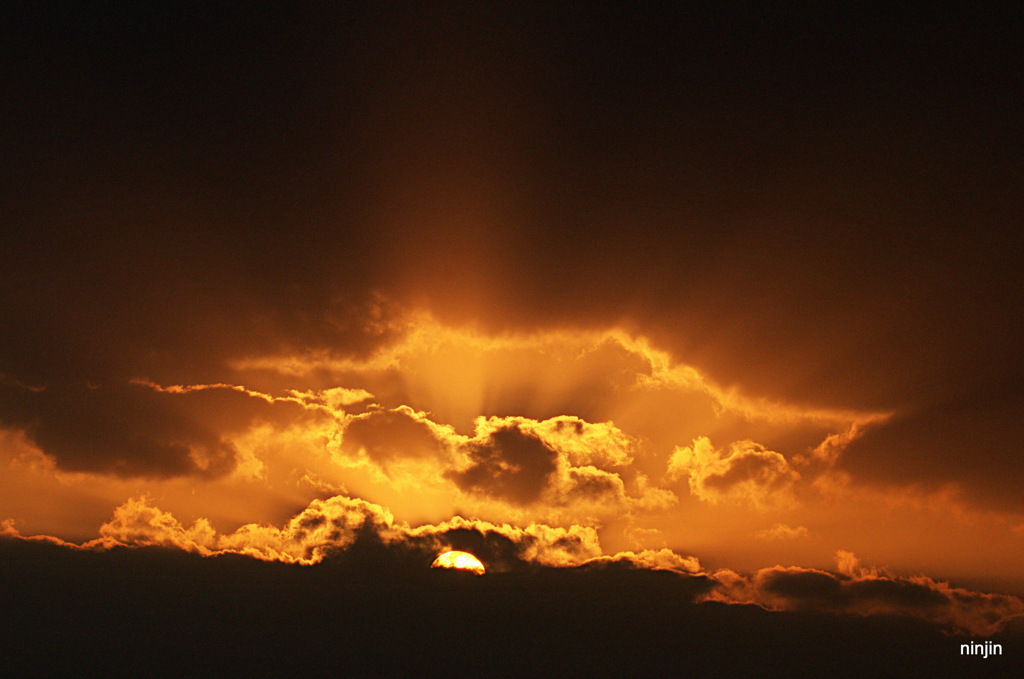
{"points": [[730, 291]]}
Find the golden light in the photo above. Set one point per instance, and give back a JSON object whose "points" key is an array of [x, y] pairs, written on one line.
{"points": [[461, 560]]}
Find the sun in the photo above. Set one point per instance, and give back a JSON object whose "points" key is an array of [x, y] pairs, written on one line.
{"points": [[461, 560]]}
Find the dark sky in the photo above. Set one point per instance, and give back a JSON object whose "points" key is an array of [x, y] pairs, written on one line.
{"points": [[818, 204]]}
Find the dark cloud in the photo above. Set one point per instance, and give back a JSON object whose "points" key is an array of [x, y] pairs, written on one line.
{"points": [[896, 594], [820, 590], [509, 464], [587, 483], [866, 592], [805, 588], [136, 429], [389, 435], [503, 549], [362, 535], [70, 613]]}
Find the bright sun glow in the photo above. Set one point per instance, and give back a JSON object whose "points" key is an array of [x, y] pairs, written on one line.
{"points": [[461, 560]]}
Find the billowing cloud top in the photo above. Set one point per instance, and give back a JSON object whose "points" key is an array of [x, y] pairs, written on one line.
{"points": [[330, 529]]}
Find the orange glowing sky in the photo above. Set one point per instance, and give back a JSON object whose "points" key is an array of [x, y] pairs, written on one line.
{"points": [[645, 299]]}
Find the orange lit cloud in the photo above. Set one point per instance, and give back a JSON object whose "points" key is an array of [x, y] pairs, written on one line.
{"points": [[575, 382], [747, 472], [509, 465], [335, 524], [563, 469], [564, 466], [324, 525], [560, 427], [137, 523], [327, 526], [459, 374], [570, 417], [527, 462], [662, 560], [781, 531], [832, 447]]}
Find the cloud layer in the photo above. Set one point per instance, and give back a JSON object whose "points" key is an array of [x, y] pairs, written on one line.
{"points": [[327, 530], [564, 427], [864, 591]]}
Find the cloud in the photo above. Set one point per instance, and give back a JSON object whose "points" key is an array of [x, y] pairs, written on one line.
{"points": [[661, 559], [293, 447], [331, 526], [461, 373], [507, 464], [563, 469], [494, 424], [855, 590], [829, 450], [384, 437], [306, 538], [140, 429], [540, 466], [582, 442], [136, 522], [342, 526], [503, 546], [747, 473], [509, 440], [340, 397], [8, 529], [781, 531], [847, 563]]}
